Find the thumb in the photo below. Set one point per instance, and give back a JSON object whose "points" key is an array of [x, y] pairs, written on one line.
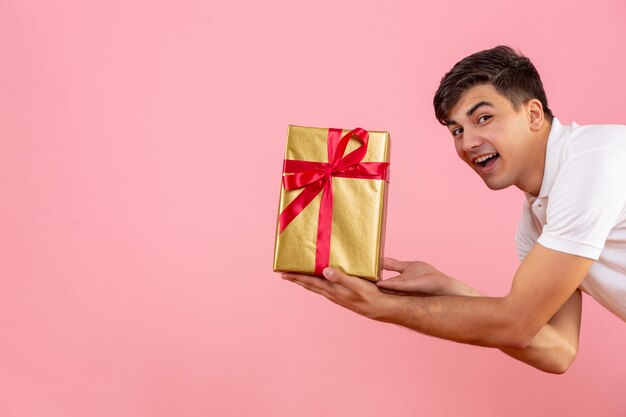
{"points": [[339, 277], [391, 264], [334, 275], [397, 282]]}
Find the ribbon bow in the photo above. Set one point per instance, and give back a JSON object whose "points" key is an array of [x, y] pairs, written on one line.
{"points": [[315, 177]]}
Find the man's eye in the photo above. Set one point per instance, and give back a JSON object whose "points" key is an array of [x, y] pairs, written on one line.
{"points": [[484, 118], [457, 132]]}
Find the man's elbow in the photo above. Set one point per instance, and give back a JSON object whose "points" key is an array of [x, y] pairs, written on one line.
{"points": [[563, 362], [557, 357]]}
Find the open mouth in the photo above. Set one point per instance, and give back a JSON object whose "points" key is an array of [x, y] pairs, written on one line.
{"points": [[486, 160]]}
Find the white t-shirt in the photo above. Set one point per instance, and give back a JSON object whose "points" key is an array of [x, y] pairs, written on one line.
{"points": [[581, 207]]}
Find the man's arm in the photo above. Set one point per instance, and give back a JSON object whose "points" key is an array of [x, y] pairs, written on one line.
{"points": [[544, 283], [554, 347]]}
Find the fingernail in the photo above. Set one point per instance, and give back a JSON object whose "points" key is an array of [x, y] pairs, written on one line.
{"points": [[328, 272], [286, 276]]}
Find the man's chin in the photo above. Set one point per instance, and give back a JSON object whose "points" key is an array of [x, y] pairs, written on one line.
{"points": [[496, 185]]}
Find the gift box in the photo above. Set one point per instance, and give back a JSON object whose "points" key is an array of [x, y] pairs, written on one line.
{"points": [[333, 201]]}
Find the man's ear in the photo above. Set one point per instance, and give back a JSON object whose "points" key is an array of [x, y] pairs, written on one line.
{"points": [[535, 114]]}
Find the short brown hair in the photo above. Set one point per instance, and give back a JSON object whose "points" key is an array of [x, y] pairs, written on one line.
{"points": [[510, 72]]}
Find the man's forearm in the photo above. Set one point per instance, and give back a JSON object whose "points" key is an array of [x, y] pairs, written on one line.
{"points": [[481, 321], [552, 349]]}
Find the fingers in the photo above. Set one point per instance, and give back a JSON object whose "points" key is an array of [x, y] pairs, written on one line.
{"points": [[423, 284], [391, 264], [335, 286], [353, 293], [345, 280], [312, 283], [395, 283], [402, 287]]}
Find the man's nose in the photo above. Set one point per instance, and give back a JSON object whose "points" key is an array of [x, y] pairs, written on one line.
{"points": [[471, 140]]}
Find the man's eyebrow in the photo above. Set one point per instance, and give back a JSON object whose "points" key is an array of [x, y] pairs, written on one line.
{"points": [[478, 105], [471, 111]]}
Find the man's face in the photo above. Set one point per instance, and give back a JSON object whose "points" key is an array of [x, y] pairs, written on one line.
{"points": [[493, 138]]}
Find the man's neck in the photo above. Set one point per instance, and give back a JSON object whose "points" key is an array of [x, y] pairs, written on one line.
{"points": [[532, 184]]}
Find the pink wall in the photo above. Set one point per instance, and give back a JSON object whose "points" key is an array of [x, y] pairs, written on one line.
{"points": [[140, 157]]}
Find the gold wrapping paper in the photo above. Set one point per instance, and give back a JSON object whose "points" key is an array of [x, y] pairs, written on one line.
{"points": [[359, 211]]}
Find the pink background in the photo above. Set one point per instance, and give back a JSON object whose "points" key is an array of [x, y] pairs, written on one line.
{"points": [[140, 158]]}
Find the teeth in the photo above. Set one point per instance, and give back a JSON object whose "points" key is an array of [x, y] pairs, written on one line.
{"points": [[484, 158]]}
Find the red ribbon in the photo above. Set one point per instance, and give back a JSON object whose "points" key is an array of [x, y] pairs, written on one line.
{"points": [[315, 177]]}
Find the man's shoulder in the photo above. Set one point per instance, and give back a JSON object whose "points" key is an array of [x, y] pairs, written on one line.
{"points": [[592, 157], [599, 136]]}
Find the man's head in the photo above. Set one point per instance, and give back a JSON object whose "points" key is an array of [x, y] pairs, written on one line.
{"points": [[494, 105], [510, 73]]}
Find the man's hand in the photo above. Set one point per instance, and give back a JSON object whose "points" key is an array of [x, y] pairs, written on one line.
{"points": [[363, 297], [353, 293], [419, 278], [538, 322]]}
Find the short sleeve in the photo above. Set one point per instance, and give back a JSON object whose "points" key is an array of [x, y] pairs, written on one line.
{"points": [[587, 200]]}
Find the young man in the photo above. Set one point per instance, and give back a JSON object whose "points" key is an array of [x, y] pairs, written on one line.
{"points": [[571, 237]]}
